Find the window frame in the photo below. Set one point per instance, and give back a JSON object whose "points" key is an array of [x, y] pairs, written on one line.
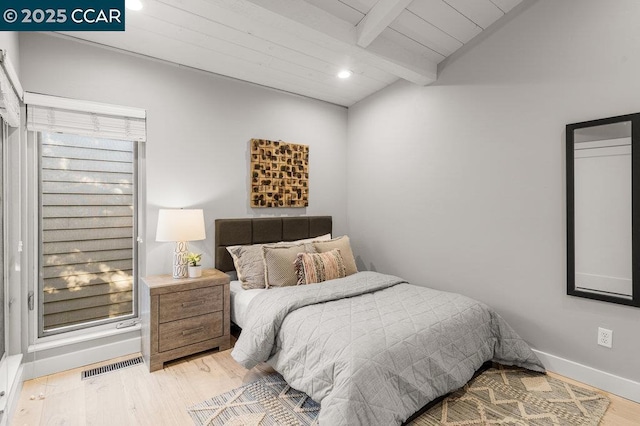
{"points": [[26, 168]]}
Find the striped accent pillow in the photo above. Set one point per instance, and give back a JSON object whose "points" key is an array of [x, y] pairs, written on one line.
{"points": [[318, 267]]}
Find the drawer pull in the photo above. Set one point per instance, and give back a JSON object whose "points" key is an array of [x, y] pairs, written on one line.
{"points": [[194, 303], [193, 331]]}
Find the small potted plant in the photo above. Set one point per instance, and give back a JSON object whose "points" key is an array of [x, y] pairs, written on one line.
{"points": [[193, 260]]}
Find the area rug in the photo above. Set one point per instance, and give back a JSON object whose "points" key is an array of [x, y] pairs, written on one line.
{"points": [[501, 395]]}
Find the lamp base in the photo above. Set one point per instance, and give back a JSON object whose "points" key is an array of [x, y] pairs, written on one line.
{"points": [[180, 260]]}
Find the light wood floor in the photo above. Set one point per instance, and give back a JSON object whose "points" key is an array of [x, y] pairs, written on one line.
{"points": [[133, 396]]}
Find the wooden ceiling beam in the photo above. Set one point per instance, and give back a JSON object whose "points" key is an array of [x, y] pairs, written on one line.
{"points": [[379, 17]]}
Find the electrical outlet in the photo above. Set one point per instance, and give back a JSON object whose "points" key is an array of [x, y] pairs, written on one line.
{"points": [[605, 337]]}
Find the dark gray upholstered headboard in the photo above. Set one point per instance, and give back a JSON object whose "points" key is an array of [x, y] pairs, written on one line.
{"points": [[233, 232]]}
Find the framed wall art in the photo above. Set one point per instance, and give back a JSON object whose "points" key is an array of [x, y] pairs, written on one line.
{"points": [[279, 174]]}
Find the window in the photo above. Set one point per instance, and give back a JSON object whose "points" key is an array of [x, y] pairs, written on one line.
{"points": [[87, 232], [87, 211]]}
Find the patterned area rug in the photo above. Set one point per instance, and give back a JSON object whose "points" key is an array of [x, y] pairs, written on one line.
{"points": [[501, 395]]}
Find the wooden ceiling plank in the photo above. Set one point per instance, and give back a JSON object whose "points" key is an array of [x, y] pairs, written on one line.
{"points": [[424, 33], [482, 12], [339, 9], [235, 41], [441, 15], [362, 6], [306, 21], [220, 48], [506, 5], [412, 45], [198, 58], [379, 18], [301, 26]]}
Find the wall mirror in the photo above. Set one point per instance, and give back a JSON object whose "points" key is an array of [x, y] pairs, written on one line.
{"points": [[603, 209]]}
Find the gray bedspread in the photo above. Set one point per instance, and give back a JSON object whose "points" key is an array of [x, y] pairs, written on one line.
{"points": [[372, 349]]}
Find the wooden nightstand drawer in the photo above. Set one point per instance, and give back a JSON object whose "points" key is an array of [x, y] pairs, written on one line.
{"points": [[190, 303], [185, 332]]}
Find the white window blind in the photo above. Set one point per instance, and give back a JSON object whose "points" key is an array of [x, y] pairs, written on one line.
{"points": [[9, 99], [61, 115]]}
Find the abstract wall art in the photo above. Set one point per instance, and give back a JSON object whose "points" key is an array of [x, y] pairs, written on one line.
{"points": [[279, 174]]}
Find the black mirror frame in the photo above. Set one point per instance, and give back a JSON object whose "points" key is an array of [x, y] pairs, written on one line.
{"points": [[635, 206]]}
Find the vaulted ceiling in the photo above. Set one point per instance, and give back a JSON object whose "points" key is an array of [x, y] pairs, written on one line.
{"points": [[299, 46]]}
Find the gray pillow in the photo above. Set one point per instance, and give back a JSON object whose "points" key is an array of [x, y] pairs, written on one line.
{"points": [[249, 265]]}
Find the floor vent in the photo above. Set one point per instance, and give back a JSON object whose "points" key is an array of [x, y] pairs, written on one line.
{"points": [[111, 367]]}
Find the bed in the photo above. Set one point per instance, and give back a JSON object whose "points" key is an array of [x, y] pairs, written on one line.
{"points": [[370, 348]]}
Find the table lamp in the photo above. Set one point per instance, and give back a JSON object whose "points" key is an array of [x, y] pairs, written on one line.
{"points": [[180, 226]]}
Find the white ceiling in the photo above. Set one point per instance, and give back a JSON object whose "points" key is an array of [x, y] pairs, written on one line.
{"points": [[299, 46]]}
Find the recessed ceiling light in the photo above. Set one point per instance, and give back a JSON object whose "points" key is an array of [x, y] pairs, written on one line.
{"points": [[345, 74], [133, 4]]}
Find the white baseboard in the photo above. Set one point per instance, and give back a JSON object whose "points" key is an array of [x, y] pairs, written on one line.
{"points": [[611, 383], [79, 358]]}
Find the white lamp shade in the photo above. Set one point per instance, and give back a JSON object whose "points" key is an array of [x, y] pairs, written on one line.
{"points": [[180, 225]]}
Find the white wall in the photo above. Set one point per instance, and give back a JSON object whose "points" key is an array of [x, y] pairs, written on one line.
{"points": [[461, 185], [198, 128]]}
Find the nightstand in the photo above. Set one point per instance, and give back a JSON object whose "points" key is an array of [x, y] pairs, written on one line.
{"points": [[184, 316]]}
